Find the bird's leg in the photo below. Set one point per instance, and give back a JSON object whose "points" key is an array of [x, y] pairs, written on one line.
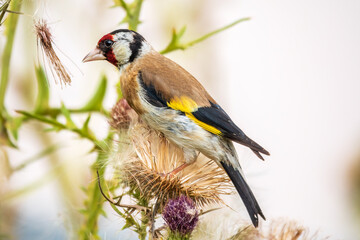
{"points": [[178, 169], [190, 157]]}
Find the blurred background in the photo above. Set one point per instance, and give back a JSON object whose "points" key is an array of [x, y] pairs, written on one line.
{"points": [[289, 77]]}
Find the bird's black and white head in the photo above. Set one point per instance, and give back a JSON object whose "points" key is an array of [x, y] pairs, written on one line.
{"points": [[119, 48]]}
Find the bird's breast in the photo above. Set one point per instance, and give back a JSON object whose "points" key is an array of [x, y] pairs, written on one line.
{"points": [[131, 89]]}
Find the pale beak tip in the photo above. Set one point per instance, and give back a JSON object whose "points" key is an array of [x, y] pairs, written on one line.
{"points": [[94, 55], [85, 59]]}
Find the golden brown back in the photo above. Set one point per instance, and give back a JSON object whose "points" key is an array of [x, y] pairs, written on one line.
{"points": [[167, 77]]}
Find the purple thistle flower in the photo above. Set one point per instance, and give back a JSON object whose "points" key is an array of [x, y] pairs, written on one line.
{"points": [[181, 215]]}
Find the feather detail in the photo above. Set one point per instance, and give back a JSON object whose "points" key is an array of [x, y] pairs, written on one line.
{"points": [[188, 106], [183, 104], [205, 126]]}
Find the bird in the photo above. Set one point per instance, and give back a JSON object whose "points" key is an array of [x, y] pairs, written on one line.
{"points": [[171, 101]]}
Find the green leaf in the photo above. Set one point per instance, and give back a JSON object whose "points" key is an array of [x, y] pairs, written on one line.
{"points": [[181, 32], [10, 30], [9, 129], [85, 128], [132, 11], [95, 103], [118, 90], [13, 126], [94, 203], [175, 40], [176, 44], [42, 100], [52, 129], [5, 138], [206, 36], [116, 209], [129, 222], [69, 122]]}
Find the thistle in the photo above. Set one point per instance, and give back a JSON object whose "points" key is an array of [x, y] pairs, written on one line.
{"points": [[181, 217], [139, 169], [149, 158], [122, 115]]}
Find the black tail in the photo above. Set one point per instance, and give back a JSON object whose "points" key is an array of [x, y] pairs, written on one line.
{"points": [[245, 193]]}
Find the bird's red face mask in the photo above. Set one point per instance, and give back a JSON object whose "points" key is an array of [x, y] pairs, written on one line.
{"points": [[103, 51]]}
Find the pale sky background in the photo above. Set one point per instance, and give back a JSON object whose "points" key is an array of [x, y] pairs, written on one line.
{"points": [[290, 78]]}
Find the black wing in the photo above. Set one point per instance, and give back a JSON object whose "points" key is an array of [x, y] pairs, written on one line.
{"points": [[215, 116]]}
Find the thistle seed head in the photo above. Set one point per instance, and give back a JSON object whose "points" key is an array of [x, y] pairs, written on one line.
{"points": [[122, 115], [145, 157]]}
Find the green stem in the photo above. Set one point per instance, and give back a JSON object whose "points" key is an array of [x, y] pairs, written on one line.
{"points": [[133, 24], [5, 62], [125, 7], [6, 57], [94, 203], [206, 36], [84, 134], [3, 10], [54, 112], [176, 45]]}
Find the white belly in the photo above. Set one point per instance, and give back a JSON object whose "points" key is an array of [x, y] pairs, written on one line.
{"points": [[182, 131]]}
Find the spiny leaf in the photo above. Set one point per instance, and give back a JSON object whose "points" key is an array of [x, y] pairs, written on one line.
{"points": [[12, 125], [69, 122], [42, 100], [5, 138], [130, 221], [116, 209], [176, 44], [175, 40], [206, 36], [94, 202], [10, 30], [128, 224], [60, 126], [132, 11], [85, 127], [95, 103]]}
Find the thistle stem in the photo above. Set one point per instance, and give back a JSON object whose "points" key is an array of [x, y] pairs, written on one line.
{"points": [[11, 24]]}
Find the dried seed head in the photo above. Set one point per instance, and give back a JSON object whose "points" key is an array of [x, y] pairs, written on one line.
{"points": [[277, 229], [181, 216], [290, 230], [45, 41], [121, 115], [43, 34], [148, 158]]}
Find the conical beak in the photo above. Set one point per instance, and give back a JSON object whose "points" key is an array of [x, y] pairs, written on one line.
{"points": [[94, 55]]}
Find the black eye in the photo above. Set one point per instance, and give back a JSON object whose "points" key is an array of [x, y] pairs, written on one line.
{"points": [[108, 43]]}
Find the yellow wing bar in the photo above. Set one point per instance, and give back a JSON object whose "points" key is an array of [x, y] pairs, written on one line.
{"points": [[187, 105], [183, 104]]}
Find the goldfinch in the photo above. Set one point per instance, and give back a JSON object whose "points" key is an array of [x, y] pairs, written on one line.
{"points": [[171, 101]]}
